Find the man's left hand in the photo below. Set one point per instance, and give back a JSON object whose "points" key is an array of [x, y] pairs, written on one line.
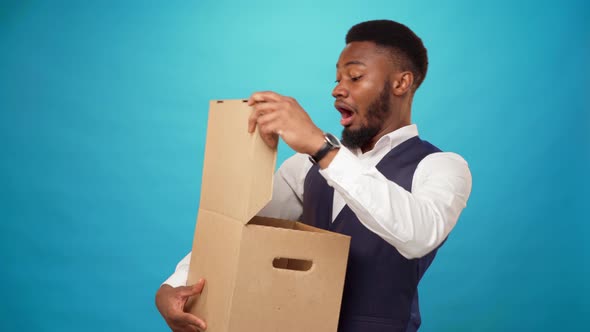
{"points": [[277, 115]]}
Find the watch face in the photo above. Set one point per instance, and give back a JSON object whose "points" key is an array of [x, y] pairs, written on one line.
{"points": [[332, 140]]}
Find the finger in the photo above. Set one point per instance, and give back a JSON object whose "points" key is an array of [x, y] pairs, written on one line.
{"points": [[272, 140], [267, 118], [190, 319], [252, 119], [195, 289], [266, 107], [198, 287], [257, 112], [269, 127], [263, 96], [184, 328]]}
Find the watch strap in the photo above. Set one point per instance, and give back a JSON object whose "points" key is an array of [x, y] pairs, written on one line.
{"points": [[330, 143], [323, 151]]}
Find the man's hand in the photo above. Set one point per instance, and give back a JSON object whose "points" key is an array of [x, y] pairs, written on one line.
{"points": [[277, 115], [170, 302]]}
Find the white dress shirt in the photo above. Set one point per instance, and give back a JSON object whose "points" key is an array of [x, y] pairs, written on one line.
{"points": [[413, 222]]}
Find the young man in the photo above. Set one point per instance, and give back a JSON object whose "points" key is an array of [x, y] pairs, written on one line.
{"points": [[398, 197]]}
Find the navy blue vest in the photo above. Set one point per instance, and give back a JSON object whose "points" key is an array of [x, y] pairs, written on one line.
{"points": [[381, 286]]}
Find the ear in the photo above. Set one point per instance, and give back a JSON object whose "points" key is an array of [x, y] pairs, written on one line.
{"points": [[402, 83]]}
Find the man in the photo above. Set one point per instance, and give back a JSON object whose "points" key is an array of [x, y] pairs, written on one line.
{"points": [[398, 197]]}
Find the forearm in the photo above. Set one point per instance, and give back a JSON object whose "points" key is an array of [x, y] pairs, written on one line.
{"points": [[414, 222]]}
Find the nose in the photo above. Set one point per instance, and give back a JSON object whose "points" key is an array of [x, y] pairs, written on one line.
{"points": [[340, 91]]}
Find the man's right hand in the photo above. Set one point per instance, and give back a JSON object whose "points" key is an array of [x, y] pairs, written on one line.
{"points": [[170, 302]]}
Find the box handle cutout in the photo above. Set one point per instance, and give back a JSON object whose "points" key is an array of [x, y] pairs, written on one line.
{"points": [[292, 264]]}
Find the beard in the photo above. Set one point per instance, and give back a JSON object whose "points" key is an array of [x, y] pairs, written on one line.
{"points": [[376, 115]]}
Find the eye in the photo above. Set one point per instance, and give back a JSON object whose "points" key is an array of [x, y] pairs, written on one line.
{"points": [[356, 78]]}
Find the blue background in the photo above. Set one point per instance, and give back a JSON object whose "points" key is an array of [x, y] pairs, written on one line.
{"points": [[102, 128]]}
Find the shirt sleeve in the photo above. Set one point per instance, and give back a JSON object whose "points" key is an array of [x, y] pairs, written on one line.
{"points": [[414, 222], [180, 275], [287, 193], [286, 203]]}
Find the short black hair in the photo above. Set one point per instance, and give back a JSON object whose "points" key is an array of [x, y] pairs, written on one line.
{"points": [[405, 46]]}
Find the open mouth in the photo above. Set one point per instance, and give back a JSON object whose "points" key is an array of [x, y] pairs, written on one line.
{"points": [[347, 113]]}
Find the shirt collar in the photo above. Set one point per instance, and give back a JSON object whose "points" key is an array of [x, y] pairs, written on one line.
{"points": [[392, 139]]}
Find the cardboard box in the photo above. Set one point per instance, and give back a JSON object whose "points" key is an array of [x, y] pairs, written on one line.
{"points": [[262, 274]]}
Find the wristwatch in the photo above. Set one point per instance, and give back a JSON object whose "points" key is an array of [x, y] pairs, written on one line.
{"points": [[331, 143]]}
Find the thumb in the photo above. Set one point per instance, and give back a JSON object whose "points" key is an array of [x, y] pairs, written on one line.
{"points": [[195, 289], [272, 140]]}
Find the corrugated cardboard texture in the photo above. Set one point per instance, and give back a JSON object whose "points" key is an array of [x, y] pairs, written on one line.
{"points": [[262, 274], [238, 167], [290, 299], [215, 256]]}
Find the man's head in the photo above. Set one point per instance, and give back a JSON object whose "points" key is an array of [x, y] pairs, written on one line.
{"points": [[378, 71]]}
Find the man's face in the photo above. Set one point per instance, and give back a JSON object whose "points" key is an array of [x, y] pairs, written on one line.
{"points": [[363, 93]]}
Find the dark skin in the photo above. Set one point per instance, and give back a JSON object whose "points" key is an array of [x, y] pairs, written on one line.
{"points": [[170, 301], [362, 70]]}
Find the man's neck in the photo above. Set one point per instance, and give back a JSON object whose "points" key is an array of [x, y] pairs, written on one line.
{"points": [[385, 131]]}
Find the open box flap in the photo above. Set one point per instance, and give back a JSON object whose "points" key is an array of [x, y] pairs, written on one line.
{"points": [[238, 167]]}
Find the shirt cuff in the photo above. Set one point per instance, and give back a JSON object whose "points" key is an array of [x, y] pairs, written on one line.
{"points": [[177, 279], [342, 167]]}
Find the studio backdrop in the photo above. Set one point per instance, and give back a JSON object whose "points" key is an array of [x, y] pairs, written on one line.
{"points": [[103, 113]]}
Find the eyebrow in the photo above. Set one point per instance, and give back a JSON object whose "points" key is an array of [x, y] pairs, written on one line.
{"points": [[353, 62]]}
